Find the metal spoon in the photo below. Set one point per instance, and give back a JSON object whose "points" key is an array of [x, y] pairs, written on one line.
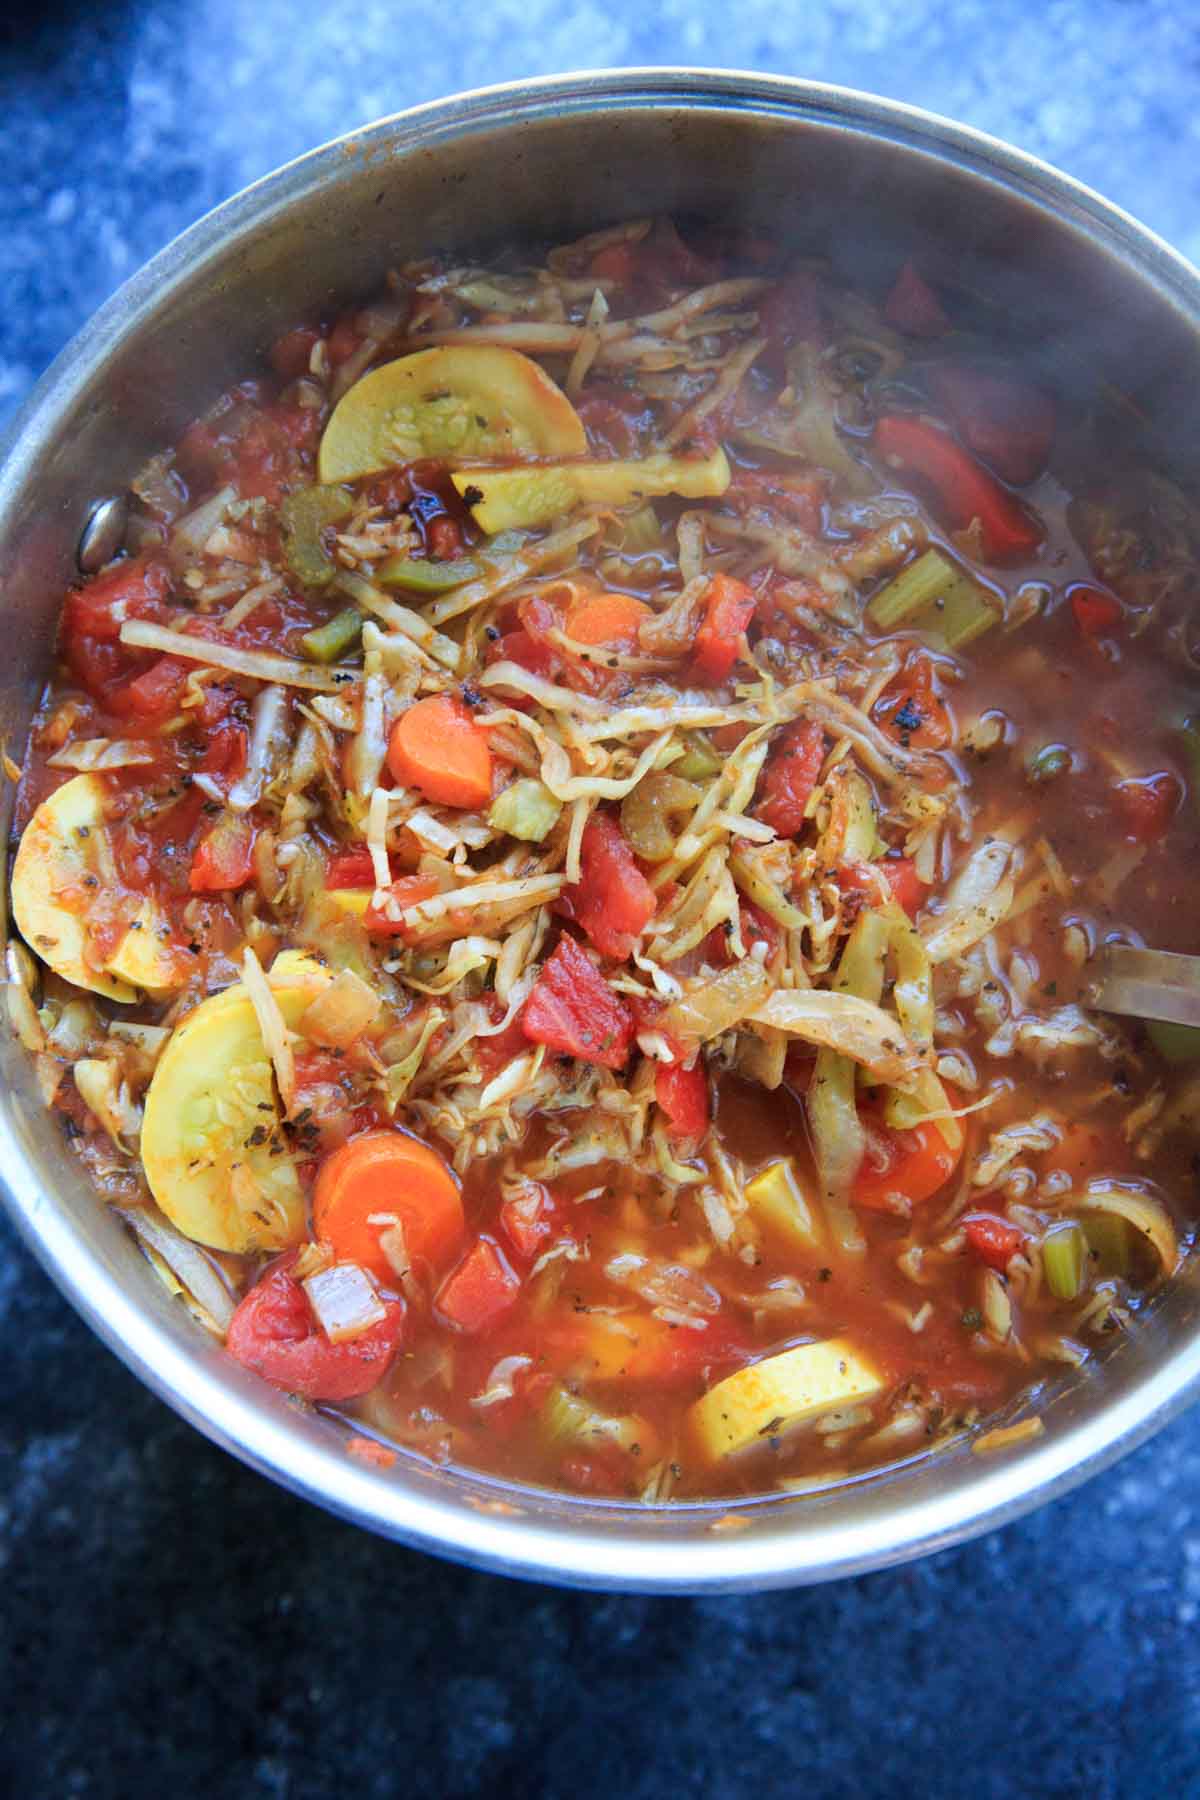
{"points": [[1147, 984]]}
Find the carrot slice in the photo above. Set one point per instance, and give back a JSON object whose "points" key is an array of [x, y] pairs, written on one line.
{"points": [[606, 620], [380, 1178], [437, 748]]}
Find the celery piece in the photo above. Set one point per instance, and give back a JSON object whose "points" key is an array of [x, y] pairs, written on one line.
{"points": [[640, 531], [1051, 761], [931, 594], [304, 516], [1174, 1043], [325, 643], [1108, 1240], [699, 761], [418, 575], [1063, 1251], [1189, 745], [913, 588], [506, 543], [569, 1419], [959, 614], [526, 810]]}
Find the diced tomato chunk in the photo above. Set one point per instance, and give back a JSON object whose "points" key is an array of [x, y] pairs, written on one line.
{"points": [[612, 900], [478, 1293], [527, 1219], [573, 1009], [274, 1331], [899, 872], [153, 694], [614, 263], [1146, 805], [345, 338], [132, 589], [911, 709], [444, 539], [350, 869], [729, 608], [1096, 613], [404, 893], [912, 306], [993, 1240], [1001, 416], [290, 355], [789, 776], [682, 1094], [224, 860]]}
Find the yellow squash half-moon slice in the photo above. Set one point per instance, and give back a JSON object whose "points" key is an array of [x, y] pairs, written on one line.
{"points": [[212, 1144], [63, 863], [460, 401]]}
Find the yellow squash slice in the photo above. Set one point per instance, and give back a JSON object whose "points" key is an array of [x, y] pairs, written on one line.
{"points": [[465, 401], [212, 1148], [518, 499], [62, 862], [767, 1398], [782, 1209]]}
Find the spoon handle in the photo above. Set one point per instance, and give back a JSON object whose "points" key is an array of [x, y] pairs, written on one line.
{"points": [[1146, 984]]}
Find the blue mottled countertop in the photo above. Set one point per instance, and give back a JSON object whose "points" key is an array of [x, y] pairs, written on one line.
{"points": [[169, 1621]]}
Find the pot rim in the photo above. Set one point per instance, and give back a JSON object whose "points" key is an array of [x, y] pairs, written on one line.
{"points": [[583, 1545]]}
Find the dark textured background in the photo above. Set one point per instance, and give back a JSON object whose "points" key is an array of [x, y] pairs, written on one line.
{"points": [[169, 1623]]}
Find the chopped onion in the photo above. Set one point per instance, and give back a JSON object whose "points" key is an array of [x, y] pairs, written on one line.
{"points": [[341, 1012], [345, 1301], [193, 531]]}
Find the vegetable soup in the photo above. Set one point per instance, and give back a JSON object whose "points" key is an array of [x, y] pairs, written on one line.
{"points": [[557, 867]]}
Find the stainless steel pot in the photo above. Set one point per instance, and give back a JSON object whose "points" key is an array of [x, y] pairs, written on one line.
{"points": [[871, 181]]}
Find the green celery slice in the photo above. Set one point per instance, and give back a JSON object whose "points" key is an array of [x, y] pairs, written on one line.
{"points": [[325, 643], [418, 575]]}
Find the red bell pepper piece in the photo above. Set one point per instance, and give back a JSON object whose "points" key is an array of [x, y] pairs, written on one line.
{"points": [[275, 1332], [729, 608], [479, 1292], [993, 1241], [914, 1166], [224, 860], [573, 1009], [682, 1094], [912, 306], [963, 488], [789, 777], [612, 900]]}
